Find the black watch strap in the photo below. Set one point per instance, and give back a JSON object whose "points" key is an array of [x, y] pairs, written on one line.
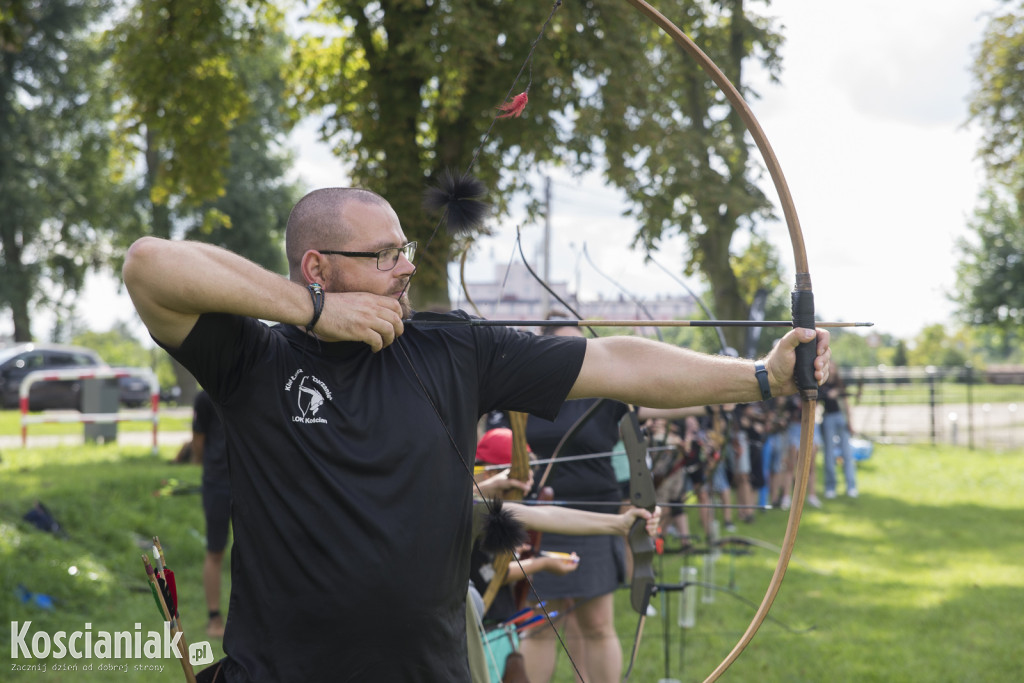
{"points": [[316, 292], [762, 380]]}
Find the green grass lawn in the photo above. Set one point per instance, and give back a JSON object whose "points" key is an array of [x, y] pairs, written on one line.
{"points": [[919, 579], [104, 498]]}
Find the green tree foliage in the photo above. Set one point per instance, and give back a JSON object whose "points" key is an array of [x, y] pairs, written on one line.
{"points": [[900, 356], [179, 98], [850, 349], [990, 275], [758, 267], [257, 197], [935, 346], [119, 347], [408, 89], [996, 344], [55, 202], [997, 102], [203, 108]]}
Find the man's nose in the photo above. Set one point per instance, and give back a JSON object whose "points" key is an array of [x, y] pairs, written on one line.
{"points": [[404, 267]]}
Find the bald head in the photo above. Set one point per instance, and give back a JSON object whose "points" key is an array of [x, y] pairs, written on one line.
{"points": [[316, 222]]}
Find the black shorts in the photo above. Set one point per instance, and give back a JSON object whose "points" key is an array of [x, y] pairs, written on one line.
{"points": [[217, 508]]}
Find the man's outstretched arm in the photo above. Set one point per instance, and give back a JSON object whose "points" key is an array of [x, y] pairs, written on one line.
{"points": [[657, 375]]}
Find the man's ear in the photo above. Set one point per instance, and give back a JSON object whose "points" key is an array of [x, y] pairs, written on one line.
{"points": [[313, 267]]}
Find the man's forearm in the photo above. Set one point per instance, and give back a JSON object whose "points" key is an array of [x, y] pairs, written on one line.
{"points": [[657, 375], [563, 520], [173, 282]]}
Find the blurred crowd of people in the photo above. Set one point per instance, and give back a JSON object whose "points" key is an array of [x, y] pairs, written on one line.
{"points": [[739, 458]]}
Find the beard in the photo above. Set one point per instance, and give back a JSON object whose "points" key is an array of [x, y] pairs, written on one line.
{"points": [[403, 298], [403, 301]]}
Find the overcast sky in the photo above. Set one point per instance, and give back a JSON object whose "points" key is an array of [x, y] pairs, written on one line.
{"points": [[868, 124]]}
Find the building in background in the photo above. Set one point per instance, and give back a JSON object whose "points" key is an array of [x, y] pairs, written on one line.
{"points": [[514, 294]]}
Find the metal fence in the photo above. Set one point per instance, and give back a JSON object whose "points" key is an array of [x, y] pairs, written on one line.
{"points": [[947, 405]]}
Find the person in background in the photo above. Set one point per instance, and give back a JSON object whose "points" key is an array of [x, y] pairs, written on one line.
{"points": [[686, 476], [836, 430], [752, 436], [792, 410], [209, 449]]}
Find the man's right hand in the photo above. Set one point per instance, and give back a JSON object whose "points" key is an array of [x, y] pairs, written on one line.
{"points": [[358, 316]]}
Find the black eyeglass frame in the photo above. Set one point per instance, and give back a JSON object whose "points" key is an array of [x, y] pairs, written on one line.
{"points": [[409, 249]]}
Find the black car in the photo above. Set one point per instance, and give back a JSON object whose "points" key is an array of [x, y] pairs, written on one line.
{"points": [[19, 360], [134, 391]]}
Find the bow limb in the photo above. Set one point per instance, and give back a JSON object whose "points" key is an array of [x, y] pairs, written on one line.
{"points": [[641, 545], [700, 302], [547, 288], [519, 469], [632, 297], [803, 316], [462, 281]]}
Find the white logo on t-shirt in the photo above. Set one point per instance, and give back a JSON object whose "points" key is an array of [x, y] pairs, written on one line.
{"points": [[310, 399], [310, 395]]}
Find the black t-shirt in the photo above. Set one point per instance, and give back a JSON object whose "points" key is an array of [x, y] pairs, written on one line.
{"points": [[206, 421], [830, 393], [583, 480], [352, 512]]}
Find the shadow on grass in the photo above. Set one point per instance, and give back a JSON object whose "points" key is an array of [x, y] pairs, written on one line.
{"points": [[896, 591]]}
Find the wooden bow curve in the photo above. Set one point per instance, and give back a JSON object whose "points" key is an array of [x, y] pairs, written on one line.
{"points": [[519, 469], [803, 316]]}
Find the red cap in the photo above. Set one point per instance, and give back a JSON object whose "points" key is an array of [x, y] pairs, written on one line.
{"points": [[495, 447]]}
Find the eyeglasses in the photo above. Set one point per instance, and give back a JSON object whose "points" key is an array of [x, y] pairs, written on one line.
{"points": [[387, 259]]}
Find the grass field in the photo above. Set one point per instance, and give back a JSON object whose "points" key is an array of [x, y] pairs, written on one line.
{"points": [[919, 579]]}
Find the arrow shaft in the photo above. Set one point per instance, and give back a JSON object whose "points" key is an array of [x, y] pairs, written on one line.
{"points": [[480, 322]]}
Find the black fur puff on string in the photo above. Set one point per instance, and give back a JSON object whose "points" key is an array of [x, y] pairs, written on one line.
{"points": [[460, 198], [501, 530]]}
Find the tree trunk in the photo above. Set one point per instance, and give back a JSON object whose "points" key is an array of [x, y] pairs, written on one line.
{"points": [[161, 223], [398, 91], [20, 286]]}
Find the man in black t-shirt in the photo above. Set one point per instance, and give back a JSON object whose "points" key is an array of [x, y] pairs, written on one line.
{"points": [[351, 433]]}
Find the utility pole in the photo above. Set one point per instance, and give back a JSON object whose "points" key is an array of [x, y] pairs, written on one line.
{"points": [[545, 298]]}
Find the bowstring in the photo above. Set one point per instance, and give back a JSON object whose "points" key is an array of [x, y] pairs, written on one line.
{"points": [[527, 64], [632, 297]]}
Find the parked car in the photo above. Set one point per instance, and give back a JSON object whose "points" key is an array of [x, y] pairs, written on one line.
{"points": [[19, 360], [134, 391]]}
